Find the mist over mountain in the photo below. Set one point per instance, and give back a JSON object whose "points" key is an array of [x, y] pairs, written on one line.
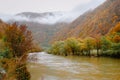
{"points": [[52, 17], [45, 25]]}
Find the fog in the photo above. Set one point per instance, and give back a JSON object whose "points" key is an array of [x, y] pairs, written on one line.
{"points": [[67, 17]]}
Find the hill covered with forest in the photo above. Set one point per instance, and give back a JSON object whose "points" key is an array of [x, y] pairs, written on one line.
{"points": [[98, 21]]}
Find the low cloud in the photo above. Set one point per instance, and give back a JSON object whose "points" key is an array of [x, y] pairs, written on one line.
{"points": [[57, 16]]}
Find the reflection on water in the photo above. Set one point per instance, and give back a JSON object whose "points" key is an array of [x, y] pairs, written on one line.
{"points": [[50, 67]]}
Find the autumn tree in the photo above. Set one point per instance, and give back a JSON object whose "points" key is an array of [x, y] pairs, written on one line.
{"points": [[97, 43], [18, 39], [56, 48], [89, 45], [114, 36], [115, 33], [17, 42], [72, 45]]}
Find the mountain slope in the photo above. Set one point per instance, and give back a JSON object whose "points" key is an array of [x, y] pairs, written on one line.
{"points": [[97, 21]]}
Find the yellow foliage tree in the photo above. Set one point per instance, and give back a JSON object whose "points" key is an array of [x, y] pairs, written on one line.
{"points": [[115, 33]]}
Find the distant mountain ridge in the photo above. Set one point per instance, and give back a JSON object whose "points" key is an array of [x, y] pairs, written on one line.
{"points": [[36, 15], [45, 18]]}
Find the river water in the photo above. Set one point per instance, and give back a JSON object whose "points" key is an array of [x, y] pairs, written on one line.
{"points": [[45, 66]]}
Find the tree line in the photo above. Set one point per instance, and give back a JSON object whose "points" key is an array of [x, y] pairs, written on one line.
{"points": [[95, 45]]}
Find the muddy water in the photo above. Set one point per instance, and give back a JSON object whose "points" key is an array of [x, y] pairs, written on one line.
{"points": [[50, 67]]}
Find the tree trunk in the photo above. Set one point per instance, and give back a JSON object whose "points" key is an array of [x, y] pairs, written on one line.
{"points": [[97, 52]]}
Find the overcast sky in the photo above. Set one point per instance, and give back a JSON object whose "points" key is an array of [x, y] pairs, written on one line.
{"points": [[17, 6]]}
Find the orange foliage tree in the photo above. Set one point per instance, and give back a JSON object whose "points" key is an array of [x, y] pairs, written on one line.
{"points": [[97, 43], [115, 33], [18, 42], [18, 39]]}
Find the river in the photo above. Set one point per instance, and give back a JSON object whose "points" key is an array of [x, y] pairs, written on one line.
{"points": [[51, 67]]}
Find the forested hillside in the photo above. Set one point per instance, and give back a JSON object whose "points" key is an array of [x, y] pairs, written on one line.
{"points": [[97, 21]]}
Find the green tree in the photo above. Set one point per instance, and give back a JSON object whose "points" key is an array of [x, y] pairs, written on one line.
{"points": [[72, 45], [89, 45], [106, 44]]}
